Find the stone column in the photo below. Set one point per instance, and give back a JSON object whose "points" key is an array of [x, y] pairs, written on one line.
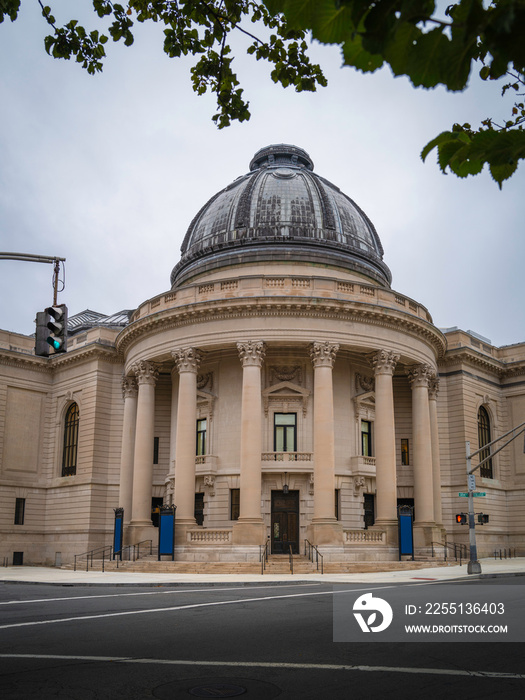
{"points": [[170, 479], [436, 458], [187, 361], [249, 528], [419, 378], [384, 363], [146, 374], [324, 529], [129, 392]]}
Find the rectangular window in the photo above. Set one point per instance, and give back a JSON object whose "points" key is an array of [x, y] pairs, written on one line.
{"points": [[285, 432], [20, 507], [405, 454], [155, 450], [235, 502], [366, 438], [369, 509], [199, 508], [337, 498], [201, 436]]}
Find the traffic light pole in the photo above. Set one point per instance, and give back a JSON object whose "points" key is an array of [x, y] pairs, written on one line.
{"points": [[474, 567], [29, 257]]}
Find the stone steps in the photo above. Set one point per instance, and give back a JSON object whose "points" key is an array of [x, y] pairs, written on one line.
{"points": [[276, 565]]}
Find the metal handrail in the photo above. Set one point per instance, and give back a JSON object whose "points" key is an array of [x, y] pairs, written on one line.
{"points": [[290, 554], [459, 550], [311, 549], [138, 548], [263, 554], [91, 555]]}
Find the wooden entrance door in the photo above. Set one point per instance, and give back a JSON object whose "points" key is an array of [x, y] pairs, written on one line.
{"points": [[285, 522]]}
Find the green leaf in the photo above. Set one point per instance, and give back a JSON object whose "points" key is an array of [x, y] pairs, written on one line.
{"points": [[354, 55], [502, 172]]}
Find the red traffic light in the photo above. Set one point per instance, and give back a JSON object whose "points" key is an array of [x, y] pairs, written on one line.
{"points": [[461, 518]]}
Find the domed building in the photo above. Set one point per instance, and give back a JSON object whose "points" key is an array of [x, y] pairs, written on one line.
{"points": [[279, 393]]}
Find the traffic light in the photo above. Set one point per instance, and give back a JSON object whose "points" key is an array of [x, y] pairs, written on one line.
{"points": [[461, 518], [41, 335], [483, 518], [58, 327]]}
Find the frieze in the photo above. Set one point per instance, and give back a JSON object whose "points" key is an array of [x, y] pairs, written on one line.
{"points": [[271, 307]]}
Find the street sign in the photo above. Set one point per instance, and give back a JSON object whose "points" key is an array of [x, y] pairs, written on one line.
{"points": [[474, 493], [471, 482]]}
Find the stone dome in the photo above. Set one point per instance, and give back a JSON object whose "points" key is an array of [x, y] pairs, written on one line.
{"points": [[281, 210]]}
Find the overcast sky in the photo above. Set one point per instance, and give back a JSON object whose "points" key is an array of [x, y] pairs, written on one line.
{"points": [[108, 172]]}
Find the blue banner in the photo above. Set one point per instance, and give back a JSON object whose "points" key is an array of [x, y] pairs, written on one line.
{"points": [[167, 531], [405, 534], [118, 532]]}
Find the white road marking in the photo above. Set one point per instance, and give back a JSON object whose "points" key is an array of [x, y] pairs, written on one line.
{"points": [[170, 592], [237, 601], [277, 664]]}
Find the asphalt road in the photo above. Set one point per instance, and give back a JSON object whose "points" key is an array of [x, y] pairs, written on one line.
{"points": [[256, 642]]}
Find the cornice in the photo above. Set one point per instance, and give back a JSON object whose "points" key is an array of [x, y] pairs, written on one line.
{"points": [[51, 364], [473, 358], [275, 306]]}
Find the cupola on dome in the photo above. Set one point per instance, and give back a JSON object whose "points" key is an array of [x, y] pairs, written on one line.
{"points": [[281, 210]]}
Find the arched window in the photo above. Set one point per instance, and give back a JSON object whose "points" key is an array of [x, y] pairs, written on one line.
{"points": [[69, 454], [483, 439]]}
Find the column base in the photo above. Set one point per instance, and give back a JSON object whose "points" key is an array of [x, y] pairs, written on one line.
{"points": [[181, 530], [325, 532], [249, 532], [425, 533], [391, 530], [139, 531]]}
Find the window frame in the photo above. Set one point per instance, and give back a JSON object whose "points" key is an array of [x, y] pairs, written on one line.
{"points": [[486, 471], [70, 440], [20, 509], [369, 452], [201, 442], [285, 432], [235, 504], [405, 452]]}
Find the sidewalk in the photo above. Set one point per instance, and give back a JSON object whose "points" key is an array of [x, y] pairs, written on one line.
{"points": [[63, 577]]}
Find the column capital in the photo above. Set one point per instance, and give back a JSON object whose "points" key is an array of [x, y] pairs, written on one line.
{"points": [[252, 352], [323, 352], [433, 388], [129, 387], [384, 361], [145, 372], [421, 375], [187, 359]]}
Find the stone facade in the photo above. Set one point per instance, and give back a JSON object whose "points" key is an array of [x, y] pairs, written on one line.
{"points": [[322, 399]]}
